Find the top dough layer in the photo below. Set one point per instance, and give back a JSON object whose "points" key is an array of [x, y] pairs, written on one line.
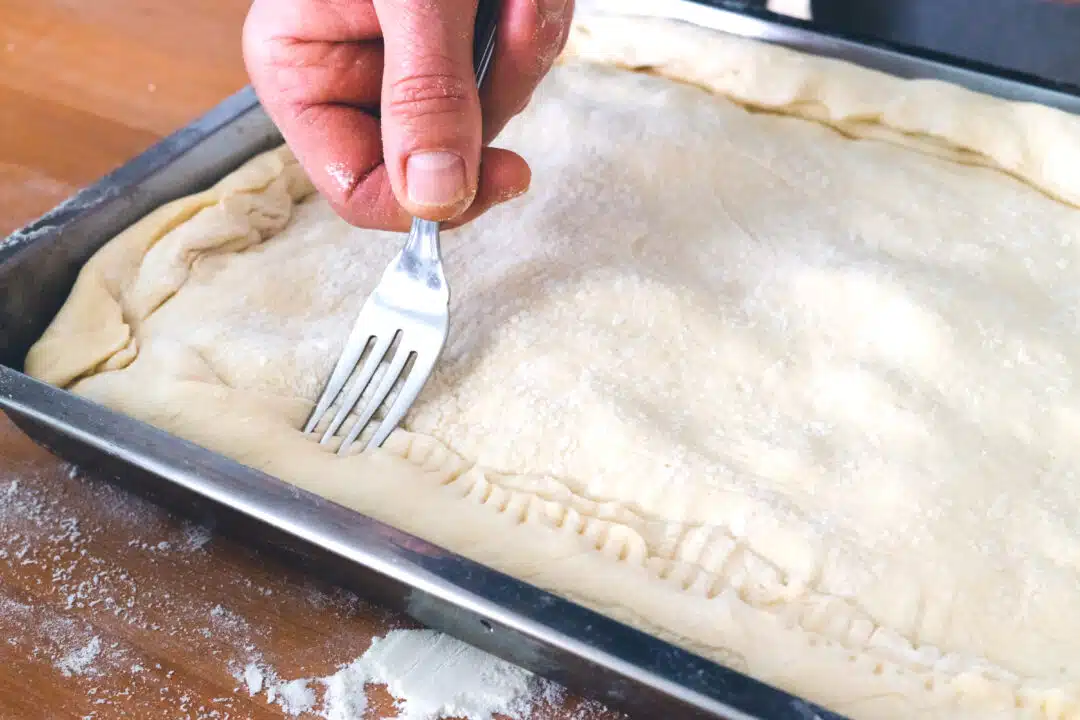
{"points": [[797, 395]]}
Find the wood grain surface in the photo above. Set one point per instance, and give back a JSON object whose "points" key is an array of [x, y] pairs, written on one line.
{"points": [[109, 607]]}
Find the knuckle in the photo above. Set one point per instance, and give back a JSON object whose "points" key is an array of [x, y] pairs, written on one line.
{"points": [[304, 72], [306, 115], [423, 95]]}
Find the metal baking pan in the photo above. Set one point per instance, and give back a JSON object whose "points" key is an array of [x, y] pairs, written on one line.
{"points": [[565, 642]]}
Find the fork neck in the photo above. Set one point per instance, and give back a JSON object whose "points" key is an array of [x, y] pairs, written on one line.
{"points": [[423, 242]]}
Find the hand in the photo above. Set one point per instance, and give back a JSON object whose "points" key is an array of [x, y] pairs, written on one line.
{"points": [[330, 72]]}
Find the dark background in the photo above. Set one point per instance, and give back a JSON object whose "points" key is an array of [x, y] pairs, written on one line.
{"points": [[1037, 37]]}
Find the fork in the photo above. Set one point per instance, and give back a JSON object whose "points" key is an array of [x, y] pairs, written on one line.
{"points": [[410, 307]]}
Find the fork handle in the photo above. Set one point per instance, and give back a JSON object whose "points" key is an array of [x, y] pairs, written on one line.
{"points": [[484, 31]]}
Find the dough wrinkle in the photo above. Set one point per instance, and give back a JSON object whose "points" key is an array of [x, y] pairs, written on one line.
{"points": [[1037, 144], [776, 366], [710, 563], [133, 277]]}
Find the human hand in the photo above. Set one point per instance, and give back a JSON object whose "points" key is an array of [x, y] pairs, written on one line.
{"points": [[378, 99]]}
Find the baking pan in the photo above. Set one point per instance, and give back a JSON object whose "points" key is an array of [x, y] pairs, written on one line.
{"points": [[560, 640]]}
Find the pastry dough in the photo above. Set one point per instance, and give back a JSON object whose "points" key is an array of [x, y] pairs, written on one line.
{"points": [[776, 361]]}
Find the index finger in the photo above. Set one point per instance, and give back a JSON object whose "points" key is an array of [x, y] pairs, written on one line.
{"points": [[316, 66]]}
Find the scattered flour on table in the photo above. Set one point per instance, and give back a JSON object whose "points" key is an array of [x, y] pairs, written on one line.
{"points": [[434, 675], [69, 601], [196, 536], [431, 675], [296, 697], [77, 662]]}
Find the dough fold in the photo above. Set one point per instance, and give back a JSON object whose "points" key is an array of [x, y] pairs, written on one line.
{"points": [[774, 362]]}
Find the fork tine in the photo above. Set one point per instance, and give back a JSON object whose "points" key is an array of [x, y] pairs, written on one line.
{"points": [[354, 350], [412, 294], [396, 366], [414, 383], [382, 344]]}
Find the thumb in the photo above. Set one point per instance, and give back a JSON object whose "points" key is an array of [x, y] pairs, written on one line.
{"points": [[431, 119]]}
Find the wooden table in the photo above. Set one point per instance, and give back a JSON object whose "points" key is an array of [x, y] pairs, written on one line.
{"points": [[109, 607]]}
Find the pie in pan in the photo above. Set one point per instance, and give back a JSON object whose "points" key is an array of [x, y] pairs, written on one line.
{"points": [[776, 361]]}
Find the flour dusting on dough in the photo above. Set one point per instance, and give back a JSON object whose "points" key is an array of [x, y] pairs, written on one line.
{"points": [[756, 386]]}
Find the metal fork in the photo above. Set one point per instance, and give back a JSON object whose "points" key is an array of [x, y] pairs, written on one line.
{"points": [[410, 305]]}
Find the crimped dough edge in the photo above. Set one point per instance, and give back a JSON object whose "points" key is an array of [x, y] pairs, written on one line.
{"points": [[92, 335]]}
